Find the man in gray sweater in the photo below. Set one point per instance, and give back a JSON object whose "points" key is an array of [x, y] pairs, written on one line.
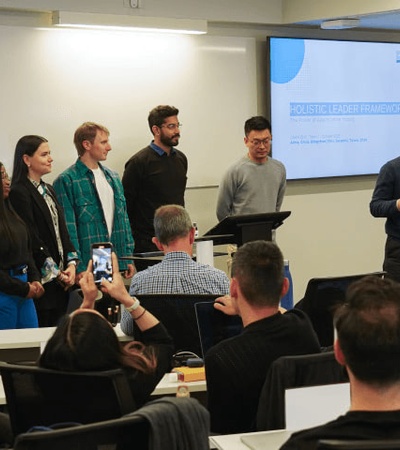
{"points": [[256, 183]]}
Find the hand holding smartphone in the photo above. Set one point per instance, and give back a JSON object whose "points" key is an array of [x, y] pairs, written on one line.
{"points": [[102, 261]]}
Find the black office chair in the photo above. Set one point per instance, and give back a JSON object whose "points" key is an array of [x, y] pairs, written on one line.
{"points": [[124, 433], [168, 422], [322, 297], [177, 313], [292, 372], [43, 397], [381, 444]]}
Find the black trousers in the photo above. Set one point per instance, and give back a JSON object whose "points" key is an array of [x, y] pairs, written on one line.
{"points": [[391, 264], [52, 305]]}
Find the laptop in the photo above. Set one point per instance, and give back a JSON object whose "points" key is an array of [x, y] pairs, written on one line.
{"points": [[215, 326], [310, 406], [272, 440], [177, 313]]}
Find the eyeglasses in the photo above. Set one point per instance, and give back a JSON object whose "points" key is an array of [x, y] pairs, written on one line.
{"points": [[172, 126], [258, 143], [5, 176]]}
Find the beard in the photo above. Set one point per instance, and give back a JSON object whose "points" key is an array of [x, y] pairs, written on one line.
{"points": [[170, 142]]}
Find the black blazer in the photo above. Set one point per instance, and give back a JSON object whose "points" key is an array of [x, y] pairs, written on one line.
{"points": [[33, 210]]}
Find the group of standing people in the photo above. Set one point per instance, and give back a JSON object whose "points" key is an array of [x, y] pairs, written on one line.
{"points": [[47, 231], [89, 203]]}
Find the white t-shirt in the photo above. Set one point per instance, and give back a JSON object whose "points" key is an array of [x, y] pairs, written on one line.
{"points": [[106, 195]]}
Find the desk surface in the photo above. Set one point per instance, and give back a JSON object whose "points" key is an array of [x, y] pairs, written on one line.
{"points": [[271, 440], [35, 337], [167, 386]]}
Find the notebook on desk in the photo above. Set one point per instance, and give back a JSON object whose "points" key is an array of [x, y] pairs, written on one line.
{"points": [[215, 326]]}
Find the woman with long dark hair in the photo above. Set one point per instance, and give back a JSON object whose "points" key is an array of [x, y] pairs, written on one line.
{"points": [[19, 278], [35, 202], [86, 341]]}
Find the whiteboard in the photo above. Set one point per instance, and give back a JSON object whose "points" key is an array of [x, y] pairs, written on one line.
{"points": [[54, 80]]}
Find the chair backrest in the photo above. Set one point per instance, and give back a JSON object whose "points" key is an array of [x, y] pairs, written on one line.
{"points": [[124, 433], [381, 444], [215, 326], [43, 397], [177, 313], [167, 422], [322, 297], [290, 372]]}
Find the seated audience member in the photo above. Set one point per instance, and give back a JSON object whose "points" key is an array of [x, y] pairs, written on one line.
{"points": [[236, 368], [19, 277], [177, 273], [368, 346], [86, 341]]}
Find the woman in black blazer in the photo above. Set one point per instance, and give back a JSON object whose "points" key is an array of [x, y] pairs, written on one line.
{"points": [[35, 202]]}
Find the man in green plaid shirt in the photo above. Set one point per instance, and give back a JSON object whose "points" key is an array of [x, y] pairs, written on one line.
{"points": [[93, 199]]}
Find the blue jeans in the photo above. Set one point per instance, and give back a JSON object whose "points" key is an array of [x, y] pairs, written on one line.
{"points": [[17, 312]]}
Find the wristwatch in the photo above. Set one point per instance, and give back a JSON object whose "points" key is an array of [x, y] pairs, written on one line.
{"points": [[134, 306]]}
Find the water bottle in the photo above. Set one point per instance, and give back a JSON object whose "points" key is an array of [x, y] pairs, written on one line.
{"points": [[287, 300]]}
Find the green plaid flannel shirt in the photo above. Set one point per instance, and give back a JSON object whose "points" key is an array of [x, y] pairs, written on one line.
{"points": [[77, 193]]}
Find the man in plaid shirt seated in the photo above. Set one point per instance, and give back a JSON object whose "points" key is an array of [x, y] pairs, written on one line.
{"points": [[177, 273]]}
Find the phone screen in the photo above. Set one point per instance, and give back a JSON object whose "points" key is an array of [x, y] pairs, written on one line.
{"points": [[102, 262]]}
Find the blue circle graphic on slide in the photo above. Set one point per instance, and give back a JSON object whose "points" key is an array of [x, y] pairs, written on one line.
{"points": [[287, 56]]}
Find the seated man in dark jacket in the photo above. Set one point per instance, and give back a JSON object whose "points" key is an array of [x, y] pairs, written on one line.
{"points": [[368, 346], [236, 368]]}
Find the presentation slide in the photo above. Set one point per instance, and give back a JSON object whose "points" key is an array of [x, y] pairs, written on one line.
{"points": [[335, 106]]}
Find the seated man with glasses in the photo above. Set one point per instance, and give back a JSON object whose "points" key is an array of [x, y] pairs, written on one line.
{"points": [[256, 183], [155, 176]]}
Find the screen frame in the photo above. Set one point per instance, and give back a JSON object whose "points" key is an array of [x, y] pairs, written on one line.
{"points": [[318, 35]]}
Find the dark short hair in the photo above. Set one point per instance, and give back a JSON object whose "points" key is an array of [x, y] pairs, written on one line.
{"points": [[368, 330], [258, 268], [171, 222], [87, 132], [158, 115], [258, 123]]}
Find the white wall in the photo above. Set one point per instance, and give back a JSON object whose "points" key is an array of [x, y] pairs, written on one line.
{"points": [[54, 80]]}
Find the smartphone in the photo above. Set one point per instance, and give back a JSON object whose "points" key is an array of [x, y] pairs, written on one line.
{"points": [[102, 261]]}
